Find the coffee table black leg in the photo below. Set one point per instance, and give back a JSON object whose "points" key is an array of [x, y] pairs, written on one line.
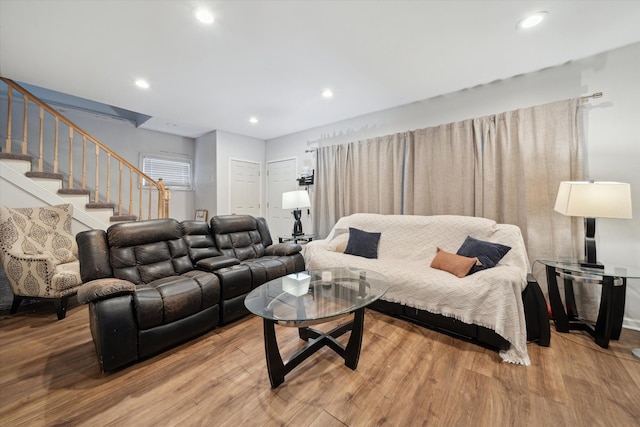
{"points": [[619, 296], [303, 333], [604, 323], [557, 309], [352, 351], [275, 366]]}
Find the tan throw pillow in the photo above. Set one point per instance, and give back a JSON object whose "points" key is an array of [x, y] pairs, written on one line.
{"points": [[457, 265], [339, 243]]}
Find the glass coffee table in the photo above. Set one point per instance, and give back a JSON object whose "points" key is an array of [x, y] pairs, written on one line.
{"points": [[303, 299]]}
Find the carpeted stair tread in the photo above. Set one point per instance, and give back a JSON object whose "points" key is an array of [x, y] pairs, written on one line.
{"points": [[117, 218], [16, 156], [73, 191], [100, 205], [48, 175]]}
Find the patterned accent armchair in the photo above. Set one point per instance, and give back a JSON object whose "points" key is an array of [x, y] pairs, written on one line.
{"points": [[39, 254]]}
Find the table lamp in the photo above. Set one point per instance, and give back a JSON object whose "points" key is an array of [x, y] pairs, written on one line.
{"points": [[591, 200], [296, 200]]}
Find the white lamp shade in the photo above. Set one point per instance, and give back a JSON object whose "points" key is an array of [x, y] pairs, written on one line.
{"points": [[295, 199], [597, 199]]}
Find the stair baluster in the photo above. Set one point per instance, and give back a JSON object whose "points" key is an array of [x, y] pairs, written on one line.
{"points": [[154, 188]]}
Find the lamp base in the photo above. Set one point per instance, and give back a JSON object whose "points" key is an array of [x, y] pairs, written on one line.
{"points": [[590, 245], [297, 224]]}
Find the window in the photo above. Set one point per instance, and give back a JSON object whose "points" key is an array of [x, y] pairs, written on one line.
{"points": [[175, 174]]}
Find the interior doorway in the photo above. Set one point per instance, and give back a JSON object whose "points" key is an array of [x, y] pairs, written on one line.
{"points": [[281, 177], [244, 191]]}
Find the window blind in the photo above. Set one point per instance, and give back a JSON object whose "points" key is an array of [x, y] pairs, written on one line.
{"points": [[174, 173]]}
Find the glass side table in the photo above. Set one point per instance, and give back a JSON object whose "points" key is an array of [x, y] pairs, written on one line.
{"points": [[613, 279], [306, 238]]}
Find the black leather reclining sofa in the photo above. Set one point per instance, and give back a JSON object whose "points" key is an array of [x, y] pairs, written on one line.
{"points": [[151, 285]]}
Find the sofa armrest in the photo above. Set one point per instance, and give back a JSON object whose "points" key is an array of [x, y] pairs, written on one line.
{"points": [[281, 249], [100, 289], [216, 262], [536, 313]]}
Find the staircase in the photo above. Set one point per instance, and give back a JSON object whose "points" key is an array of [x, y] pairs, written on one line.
{"points": [[23, 165]]}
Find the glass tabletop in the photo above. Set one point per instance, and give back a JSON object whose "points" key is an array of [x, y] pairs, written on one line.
{"points": [[316, 296], [608, 270]]}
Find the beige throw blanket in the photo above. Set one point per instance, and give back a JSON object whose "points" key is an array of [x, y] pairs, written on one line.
{"points": [[491, 298]]}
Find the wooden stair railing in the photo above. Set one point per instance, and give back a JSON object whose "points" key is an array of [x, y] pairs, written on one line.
{"points": [[130, 186]]}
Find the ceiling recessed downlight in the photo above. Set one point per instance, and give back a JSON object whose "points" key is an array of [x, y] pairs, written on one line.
{"points": [[253, 120], [531, 20], [327, 93], [204, 16], [142, 83]]}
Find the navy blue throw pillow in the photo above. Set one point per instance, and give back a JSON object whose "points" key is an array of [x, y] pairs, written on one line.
{"points": [[488, 253], [362, 243]]}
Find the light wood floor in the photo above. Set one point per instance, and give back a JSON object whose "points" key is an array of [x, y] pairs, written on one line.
{"points": [[407, 376]]}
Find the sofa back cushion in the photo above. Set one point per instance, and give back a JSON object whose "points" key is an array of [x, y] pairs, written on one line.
{"points": [[93, 254], [416, 238], [199, 240], [144, 251], [39, 230], [237, 236], [263, 229]]}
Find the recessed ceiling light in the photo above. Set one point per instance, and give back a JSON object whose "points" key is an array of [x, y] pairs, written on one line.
{"points": [[327, 93], [532, 20], [253, 120], [204, 16], [141, 83], [171, 125]]}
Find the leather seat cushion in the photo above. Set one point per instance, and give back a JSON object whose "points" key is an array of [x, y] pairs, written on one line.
{"points": [[173, 298], [216, 262], [265, 268], [235, 280]]}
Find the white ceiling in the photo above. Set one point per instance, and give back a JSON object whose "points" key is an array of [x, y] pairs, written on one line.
{"points": [[272, 59]]}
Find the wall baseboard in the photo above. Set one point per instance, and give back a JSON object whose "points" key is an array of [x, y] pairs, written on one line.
{"points": [[631, 324]]}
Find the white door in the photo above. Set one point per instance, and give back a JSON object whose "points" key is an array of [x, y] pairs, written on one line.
{"points": [[281, 177], [245, 188]]}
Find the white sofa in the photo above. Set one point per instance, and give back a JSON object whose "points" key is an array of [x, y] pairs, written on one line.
{"points": [[486, 302]]}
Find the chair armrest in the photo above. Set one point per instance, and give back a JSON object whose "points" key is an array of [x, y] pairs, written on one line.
{"points": [[281, 249], [35, 257], [216, 262], [50, 262], [100, 289]]}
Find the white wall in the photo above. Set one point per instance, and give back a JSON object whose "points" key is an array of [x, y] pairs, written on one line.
{"points": [[613, 124], [238, 147], [205, 179], [18, 191], [128, 141]]}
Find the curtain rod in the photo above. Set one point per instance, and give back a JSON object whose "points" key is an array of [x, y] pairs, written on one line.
{"points": [[592, 96]]}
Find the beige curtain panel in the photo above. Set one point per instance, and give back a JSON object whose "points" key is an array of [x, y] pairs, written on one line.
{"points": [[373, 175], [526, 153], [328, 194], [441, 170], [506, 167]]}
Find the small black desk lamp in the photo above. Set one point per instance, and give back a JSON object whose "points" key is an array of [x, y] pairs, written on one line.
{"points": [[296, 200]]}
